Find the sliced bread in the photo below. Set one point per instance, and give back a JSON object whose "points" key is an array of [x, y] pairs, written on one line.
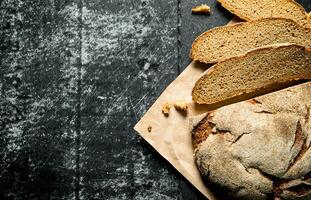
{"points": [[260, 148], [258, 9], [255, 70], [223, 42]]}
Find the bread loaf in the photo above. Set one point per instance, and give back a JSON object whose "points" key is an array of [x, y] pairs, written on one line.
{"points": [[256, 70], [258, 9], [260, 148], [223, 42]]}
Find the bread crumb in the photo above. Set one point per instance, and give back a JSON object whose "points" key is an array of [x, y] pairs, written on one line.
{"points": [[181, 106], [166, 109], [202, 9], [214, 130], [149, 128]]}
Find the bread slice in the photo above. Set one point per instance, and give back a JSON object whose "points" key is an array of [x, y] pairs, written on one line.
{"points": [[259, 148], [257, 9], [255, 70], [223, 42]]}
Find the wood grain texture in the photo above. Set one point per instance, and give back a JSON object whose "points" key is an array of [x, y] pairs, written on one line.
{"points": [[75, 76]]}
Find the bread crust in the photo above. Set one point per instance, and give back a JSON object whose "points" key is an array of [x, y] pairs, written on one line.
{"points": [[226, 4]]}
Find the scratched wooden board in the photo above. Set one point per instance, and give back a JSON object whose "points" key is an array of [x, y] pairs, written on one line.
{"points": [[75, 77]]}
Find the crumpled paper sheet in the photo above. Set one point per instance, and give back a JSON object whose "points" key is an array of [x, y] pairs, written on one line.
{"points": [[171, 136]]}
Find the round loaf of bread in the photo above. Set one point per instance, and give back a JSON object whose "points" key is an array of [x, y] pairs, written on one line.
{"points": [[260, 148]]}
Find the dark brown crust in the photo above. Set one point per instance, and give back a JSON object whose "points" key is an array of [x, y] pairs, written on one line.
{"points": [[307, 176], [234, 26], [201, 131], [241, 57], [307, 115], [278, 186], [253, 101], [242, 16], [299, 141], [300, 190]]}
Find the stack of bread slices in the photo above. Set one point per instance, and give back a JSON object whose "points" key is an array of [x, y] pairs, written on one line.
{"points": [[259, 148]]}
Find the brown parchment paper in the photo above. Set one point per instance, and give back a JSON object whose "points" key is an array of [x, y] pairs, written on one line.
{"points": [[171, 136]]}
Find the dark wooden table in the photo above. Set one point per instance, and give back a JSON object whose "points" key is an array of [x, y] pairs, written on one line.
{"points": [[75, 77]]}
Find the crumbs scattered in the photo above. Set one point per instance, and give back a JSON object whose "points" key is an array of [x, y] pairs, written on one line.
{"points": [[166, 109], [149, 129], [181, 106], [202, 9]]}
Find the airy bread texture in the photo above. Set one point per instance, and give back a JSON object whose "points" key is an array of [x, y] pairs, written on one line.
{"points": [[258, 149], [256, 70], [224, 42], [257, 9]]}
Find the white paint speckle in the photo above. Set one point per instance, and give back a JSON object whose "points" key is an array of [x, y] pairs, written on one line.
{"points": [[102, 98], [146, 66]]}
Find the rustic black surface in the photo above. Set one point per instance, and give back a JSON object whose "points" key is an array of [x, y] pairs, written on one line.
{"points": [[75, 77]]}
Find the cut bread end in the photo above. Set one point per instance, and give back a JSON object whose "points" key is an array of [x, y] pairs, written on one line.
{"points": [[250, 10], [224, 42], [254, 71]]}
